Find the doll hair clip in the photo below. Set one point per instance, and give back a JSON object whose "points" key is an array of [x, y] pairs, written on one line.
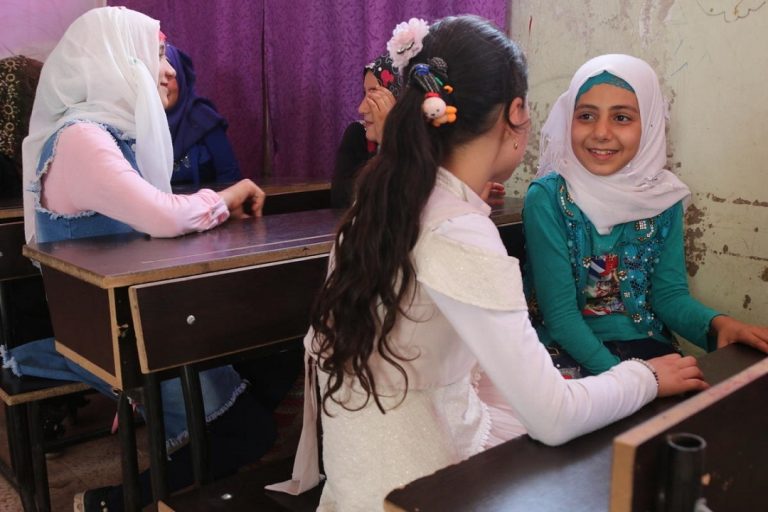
{"points": [[431, 79], [406, 41]]}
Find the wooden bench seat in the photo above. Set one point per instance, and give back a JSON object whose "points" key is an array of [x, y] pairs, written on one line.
{"points": [[245, 492], [22, 398]]}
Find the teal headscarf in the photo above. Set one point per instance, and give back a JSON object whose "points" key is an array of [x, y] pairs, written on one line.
{"points": [[603, 78]]}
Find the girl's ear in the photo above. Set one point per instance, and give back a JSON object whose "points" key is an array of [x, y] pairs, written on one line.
{"points": [[518, 112]]}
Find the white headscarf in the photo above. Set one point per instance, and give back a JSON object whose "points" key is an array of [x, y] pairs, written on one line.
{"points": [[105, 69], [642, 189]]}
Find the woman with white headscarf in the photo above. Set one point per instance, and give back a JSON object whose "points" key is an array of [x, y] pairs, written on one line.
{"points": [[97, 161], [604, 228]]}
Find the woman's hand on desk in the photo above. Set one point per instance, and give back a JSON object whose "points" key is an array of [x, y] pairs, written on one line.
{"points": [[493, 193], [676, 374], [244, 199], [729, 330]]}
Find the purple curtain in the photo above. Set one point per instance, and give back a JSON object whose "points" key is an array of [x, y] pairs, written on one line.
{"points": [[298, 62], [315, 53]]}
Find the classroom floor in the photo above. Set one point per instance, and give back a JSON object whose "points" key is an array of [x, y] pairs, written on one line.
{"points": [[96, 463]]}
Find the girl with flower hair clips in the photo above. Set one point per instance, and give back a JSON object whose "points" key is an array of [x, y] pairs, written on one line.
{"points": [[604, 228], [417, 299]]}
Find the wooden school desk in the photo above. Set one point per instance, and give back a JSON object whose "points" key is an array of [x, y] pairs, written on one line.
{"points": [[11, 208], [290, 194], [129, 307], [524, 475]]}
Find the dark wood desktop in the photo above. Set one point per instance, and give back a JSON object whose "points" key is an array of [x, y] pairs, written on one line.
{"points": [[525, 475]]}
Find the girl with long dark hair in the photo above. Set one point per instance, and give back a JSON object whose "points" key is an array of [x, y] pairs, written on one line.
{"points": [[421, 297]]}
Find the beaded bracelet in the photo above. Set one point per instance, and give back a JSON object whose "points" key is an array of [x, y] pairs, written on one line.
{"points": [[649, 366]]}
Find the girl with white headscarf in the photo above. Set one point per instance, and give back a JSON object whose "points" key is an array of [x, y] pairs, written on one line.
{"points": [[604, 228], [106, 72], [98, 161]]}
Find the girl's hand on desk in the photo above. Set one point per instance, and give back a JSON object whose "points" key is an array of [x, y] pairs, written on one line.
{"points": [[729, 330], [244, 199], [676, 374], [493, 193]]}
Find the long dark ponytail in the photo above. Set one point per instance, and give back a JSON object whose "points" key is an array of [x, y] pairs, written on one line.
{"points": [[373, 277]]}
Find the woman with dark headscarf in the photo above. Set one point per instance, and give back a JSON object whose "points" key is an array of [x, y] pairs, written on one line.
{"points": [[18, 81], [201, 151], [381, 85]]}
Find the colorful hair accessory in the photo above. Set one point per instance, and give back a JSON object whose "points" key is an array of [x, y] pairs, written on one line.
{"points": [[162, 37], [406, 41], [448, 117], [431, 79], [433, 106]]}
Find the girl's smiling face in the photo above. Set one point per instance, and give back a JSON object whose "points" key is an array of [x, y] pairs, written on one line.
{"points": [[606, 129]]}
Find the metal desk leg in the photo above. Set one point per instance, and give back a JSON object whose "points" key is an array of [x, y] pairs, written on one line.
{"points": [[39, 465], [130, 463], [198, 438], [155, 424], [21, 456]]}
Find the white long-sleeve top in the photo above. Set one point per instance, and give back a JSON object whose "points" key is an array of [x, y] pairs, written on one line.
{"points": [[552, 409]]}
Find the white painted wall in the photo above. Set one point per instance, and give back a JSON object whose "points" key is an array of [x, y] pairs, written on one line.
{"points": [[712, 59]]}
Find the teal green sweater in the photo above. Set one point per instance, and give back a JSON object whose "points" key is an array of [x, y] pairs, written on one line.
{"points": [[653, 286]]}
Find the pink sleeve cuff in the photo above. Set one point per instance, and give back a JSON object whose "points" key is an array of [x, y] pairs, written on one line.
{"points": [[217, 212]]}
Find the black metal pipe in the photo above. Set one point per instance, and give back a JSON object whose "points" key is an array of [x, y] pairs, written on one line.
{"points": [[684, 467]]}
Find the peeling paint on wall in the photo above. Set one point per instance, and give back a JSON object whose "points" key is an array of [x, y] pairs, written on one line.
{"points": [[726, 251], [648, 19], [740, 200], [716, 199], [695, 247], [694, 215]]}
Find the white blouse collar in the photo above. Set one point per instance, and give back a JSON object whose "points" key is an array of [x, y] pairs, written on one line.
{"points": [[450, 182]]}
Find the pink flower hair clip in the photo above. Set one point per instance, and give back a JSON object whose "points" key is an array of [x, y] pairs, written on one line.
{"points": [[406, 41]]}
